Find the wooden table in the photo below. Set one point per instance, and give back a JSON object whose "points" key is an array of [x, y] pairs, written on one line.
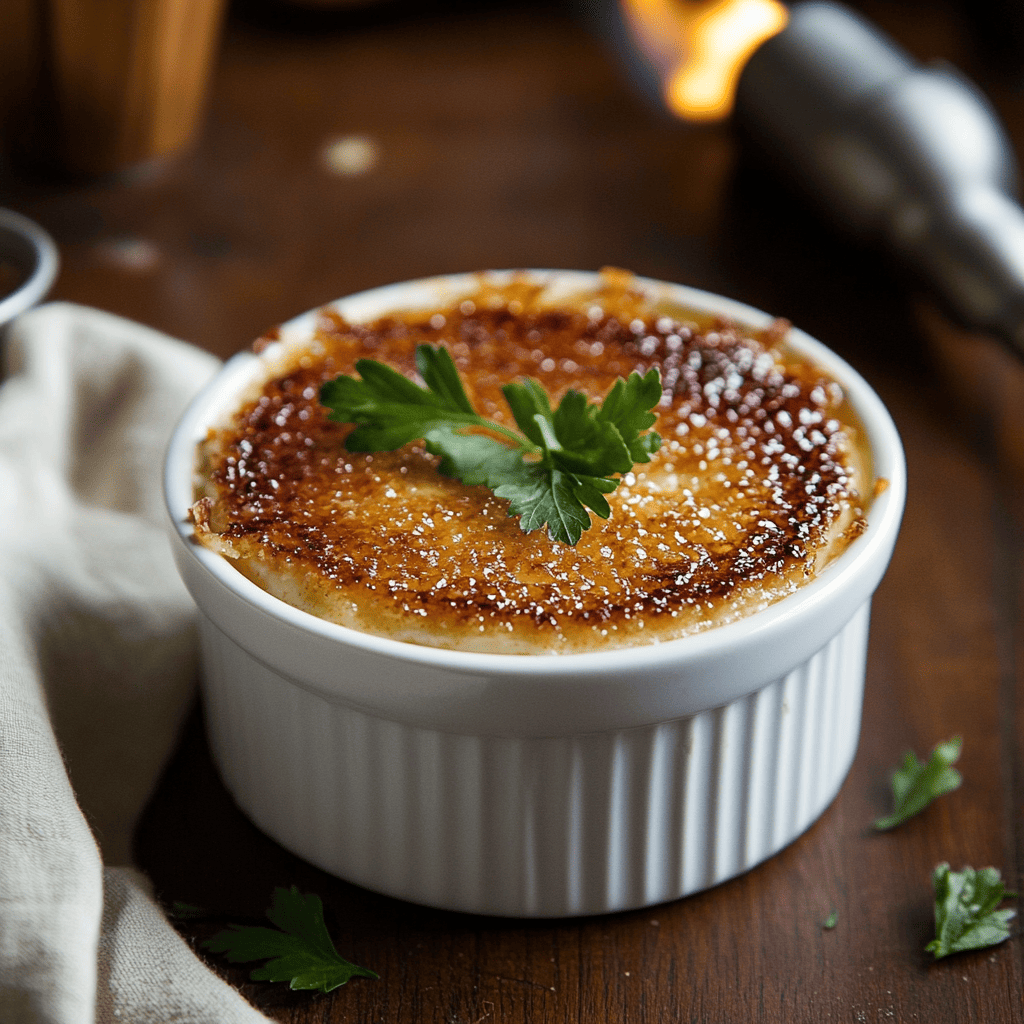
{"points": [[355, 149]]}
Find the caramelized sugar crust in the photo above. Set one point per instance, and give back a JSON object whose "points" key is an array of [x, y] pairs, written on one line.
{"points": [[759, 482]]}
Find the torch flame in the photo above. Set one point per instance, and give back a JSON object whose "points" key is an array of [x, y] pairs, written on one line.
{"points": [[700, 47]]}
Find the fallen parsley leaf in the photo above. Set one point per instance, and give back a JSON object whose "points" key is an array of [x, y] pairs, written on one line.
{"points": [[915, 785], [563, 463], [187, 911], [831, 921], [301, 953], [965, 910]]}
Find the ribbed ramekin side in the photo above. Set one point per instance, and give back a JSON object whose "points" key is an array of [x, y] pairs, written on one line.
{"points": [[541, 826]]}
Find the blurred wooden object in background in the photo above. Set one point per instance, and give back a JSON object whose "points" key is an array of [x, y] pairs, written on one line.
{"points": [[97, 86]]}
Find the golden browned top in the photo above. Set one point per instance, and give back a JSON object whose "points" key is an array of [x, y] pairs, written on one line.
{"points": [[757, 483]]}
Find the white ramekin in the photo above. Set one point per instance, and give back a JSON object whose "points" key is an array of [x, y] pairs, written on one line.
{"points": [[534, 786]]}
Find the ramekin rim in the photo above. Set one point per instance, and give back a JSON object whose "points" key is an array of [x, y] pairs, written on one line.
{"points": [[883, 516], [42, 274]]}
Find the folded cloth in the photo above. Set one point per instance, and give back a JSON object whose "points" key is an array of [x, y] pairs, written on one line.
{"points": [[97, 669]]}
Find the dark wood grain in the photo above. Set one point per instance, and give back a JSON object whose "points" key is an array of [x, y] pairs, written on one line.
{"points": [[507, 136]]}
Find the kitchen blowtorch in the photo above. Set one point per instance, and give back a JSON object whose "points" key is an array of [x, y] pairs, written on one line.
{"points": [[907, 156]]}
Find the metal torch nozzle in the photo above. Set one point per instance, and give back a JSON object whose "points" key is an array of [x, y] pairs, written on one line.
{"points": [[907, 156]]}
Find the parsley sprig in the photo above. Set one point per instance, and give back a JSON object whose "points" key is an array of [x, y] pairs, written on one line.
{"points": [[916, 785], [301, 953], [563, 463], [965, 910]]}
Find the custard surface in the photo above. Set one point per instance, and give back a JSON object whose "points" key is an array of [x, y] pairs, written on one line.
{"points": [[760, 481]]}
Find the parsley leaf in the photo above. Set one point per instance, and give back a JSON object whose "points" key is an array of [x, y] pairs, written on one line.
{"points": [[831, 921], [965, 910], [301, 953], [915, 785], [182, 911], [562, 463]]}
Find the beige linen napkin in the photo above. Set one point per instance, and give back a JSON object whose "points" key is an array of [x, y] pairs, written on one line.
{"points": [[97, 667]]}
